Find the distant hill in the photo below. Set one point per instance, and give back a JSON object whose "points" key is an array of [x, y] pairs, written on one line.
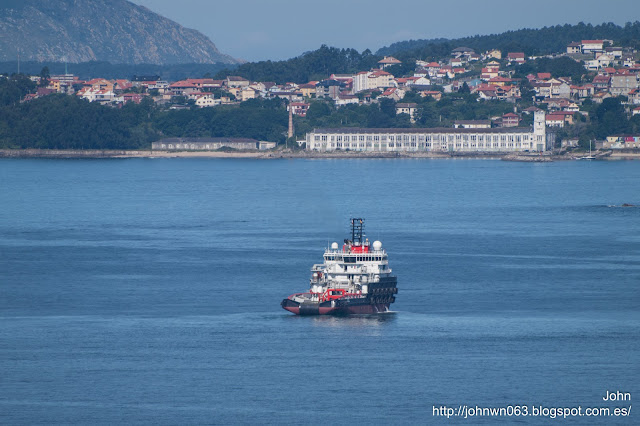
{"points": [[408, 45], [314, 65], [320, 63], [530, 41], [116, 31], [89, 70]]}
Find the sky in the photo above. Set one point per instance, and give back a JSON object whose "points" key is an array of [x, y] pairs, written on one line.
{"points": [[256, 30]]}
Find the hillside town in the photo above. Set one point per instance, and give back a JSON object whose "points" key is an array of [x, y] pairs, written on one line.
{"points": [[609, 71]]}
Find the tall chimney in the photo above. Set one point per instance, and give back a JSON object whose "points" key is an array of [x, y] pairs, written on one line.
{"points": [[290, 134]]}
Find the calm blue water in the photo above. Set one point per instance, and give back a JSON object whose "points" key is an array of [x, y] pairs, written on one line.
{"points": [[148, 290]]}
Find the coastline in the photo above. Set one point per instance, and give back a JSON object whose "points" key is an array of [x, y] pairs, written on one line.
{"points": [[291, 154], [92, 153]]}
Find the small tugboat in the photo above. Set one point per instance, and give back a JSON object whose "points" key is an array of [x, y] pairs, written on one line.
{"points": [[353, 280]]}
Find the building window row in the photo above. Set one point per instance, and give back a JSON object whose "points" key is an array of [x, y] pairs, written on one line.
{"points": [[460, 140]]}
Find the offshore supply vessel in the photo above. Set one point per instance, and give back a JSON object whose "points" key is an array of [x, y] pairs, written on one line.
{"points": [[354, 279]]}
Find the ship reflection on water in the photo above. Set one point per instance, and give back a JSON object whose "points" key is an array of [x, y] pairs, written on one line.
{"points": [[353, 321], [345, 322]]}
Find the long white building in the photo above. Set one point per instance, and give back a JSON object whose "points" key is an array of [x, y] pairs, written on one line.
{"points": [[504, 139]]}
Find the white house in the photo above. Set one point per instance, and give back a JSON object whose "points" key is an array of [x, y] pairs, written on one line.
{"points": [[554, 120], [601, 61], [370, 80], [407, 108], [96, 95], [589, 46], [207, 101], [342, 100]]}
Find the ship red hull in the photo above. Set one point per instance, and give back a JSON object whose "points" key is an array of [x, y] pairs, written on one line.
{"points": [[343, 310]]}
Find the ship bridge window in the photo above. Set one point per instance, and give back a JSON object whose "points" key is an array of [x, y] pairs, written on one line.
{"points": [[350, 259]]}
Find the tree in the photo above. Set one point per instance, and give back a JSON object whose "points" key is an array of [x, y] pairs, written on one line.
{"points": [[560, 136], [406, 68], [610, 118], [403, 120], [180, 100], [318, 110], [388, 107], [314, 65], [558, 67], [14, 88], [44, 76], [530, 41]]}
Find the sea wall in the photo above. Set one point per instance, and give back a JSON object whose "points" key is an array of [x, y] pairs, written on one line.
{"points": [[70, 153]]}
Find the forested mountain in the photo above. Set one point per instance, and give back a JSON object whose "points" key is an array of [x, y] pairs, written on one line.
{"points": [[530, 41], [117, 31]]}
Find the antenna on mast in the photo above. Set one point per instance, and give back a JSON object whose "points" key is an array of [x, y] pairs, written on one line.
{"points": [[357, 230]]}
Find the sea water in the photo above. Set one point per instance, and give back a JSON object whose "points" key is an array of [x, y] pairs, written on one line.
{"points": [[148, 290]]}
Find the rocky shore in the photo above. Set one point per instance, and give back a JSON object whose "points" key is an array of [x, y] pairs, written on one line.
{"points": [[530, 158]]}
